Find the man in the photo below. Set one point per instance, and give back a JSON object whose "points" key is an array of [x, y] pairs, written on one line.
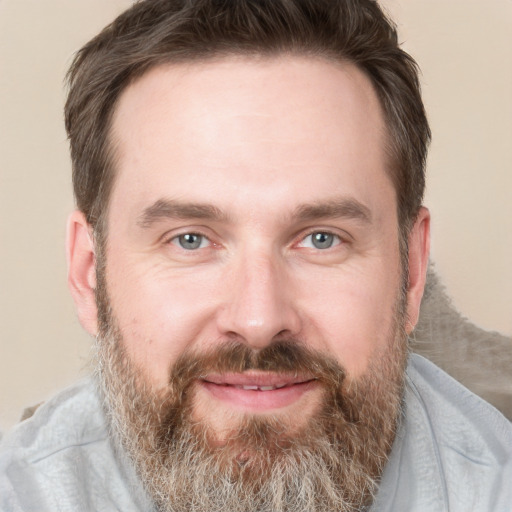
{"points": [[250, 251]]}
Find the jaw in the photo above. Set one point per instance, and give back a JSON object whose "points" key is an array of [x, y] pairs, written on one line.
{"points": [[195, 446]]}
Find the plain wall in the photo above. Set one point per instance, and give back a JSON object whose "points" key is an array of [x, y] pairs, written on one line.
{"points": [[464, 48]]}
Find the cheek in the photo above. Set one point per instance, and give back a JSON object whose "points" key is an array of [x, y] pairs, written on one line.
{"points": [[353, 316], [160, 316]]}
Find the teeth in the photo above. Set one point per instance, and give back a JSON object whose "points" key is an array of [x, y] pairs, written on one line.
{"points": [[259, 388]]}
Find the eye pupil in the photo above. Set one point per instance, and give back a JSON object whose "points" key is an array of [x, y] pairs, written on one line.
{"points": [[322, 240], [190, 241]]}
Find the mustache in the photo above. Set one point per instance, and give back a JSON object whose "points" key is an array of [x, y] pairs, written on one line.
{"points": [[282, 356]]}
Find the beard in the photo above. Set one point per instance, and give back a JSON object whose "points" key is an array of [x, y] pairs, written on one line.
{"points": [[333, 461]]}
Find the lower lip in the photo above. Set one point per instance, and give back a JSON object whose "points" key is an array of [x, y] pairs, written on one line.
{"points": [[256, 400]]}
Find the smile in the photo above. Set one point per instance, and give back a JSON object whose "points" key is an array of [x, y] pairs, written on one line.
{"points": [[258, 391]]}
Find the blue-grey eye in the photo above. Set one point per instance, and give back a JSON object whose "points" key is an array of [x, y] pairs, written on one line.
{"points": [[191, 241], [320, 240]]}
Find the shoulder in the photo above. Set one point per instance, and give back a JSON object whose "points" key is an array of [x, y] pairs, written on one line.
{"points": [[471, 440], [71, 418], [52, 451], [62, 459], [453, 409]]}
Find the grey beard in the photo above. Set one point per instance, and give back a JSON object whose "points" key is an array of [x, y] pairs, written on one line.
{"points": [[307, 479], [333, 463]]}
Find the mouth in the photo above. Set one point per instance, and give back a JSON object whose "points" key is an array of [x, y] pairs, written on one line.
{"points": [[258, 391]]}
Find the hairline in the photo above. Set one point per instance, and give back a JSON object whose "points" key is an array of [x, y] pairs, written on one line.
{"points": [[100, 226]]}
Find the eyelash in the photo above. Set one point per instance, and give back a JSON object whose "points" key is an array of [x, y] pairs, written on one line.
{"points": [[337, 240]]}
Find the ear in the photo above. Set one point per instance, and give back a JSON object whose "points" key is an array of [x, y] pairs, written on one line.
{"points": [[81, 270], [419, 250]]}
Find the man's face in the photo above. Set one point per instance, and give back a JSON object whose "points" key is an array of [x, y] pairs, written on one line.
{"points": [[251, 202], [252, 208]]}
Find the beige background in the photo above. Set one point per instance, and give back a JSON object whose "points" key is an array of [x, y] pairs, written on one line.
{"points": [[464, 48]]}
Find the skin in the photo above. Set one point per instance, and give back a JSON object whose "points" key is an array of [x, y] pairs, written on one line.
{"points": [[269, 152]]}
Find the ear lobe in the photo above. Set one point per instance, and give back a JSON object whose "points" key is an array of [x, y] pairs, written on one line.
{"points": [[419, 250], [81, 270]]}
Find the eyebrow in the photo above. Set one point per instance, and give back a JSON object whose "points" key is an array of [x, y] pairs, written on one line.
{"points": [[172, 209], [344, 207]]}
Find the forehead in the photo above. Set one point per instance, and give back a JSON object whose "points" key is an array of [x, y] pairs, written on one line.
{"points": [[301, 126]]}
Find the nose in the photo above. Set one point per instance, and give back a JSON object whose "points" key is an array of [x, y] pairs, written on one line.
{"points": [[259, 304]]}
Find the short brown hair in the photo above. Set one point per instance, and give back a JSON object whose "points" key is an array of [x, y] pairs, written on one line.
{"points": [[154, 32]]}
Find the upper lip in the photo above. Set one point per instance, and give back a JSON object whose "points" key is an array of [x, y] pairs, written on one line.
{"points": [[256, 379]]}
